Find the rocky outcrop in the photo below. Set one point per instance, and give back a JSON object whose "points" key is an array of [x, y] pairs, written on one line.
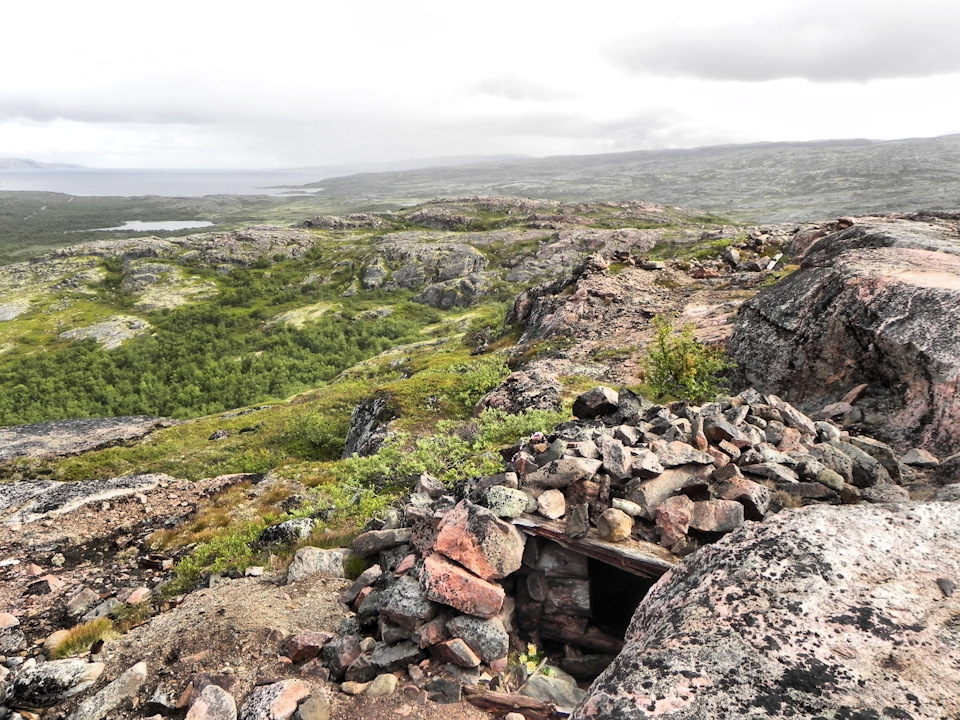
{"points": [[31, 500], [56, 438], [459, 292], [405, 261], [368, 427], [354, 221], [111, 332], [521, 391], [867, 307], [819, 612]]}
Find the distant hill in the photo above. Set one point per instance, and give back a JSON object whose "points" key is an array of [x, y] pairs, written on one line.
{"points": [[24, 164], [782, 181]]}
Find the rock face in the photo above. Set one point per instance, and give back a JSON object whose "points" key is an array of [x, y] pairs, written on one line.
{"points": [[867, 307], [72, 437], [368, 427], [818, 612], [31, 500]]}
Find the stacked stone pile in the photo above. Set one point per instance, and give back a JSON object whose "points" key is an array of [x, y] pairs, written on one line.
{"points": [[457, 580]]}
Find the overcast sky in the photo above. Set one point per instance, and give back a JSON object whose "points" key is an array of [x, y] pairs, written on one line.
{"points": [[227, 84]]}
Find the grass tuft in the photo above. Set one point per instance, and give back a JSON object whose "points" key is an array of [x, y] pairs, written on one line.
{"points": [[80, 638]]}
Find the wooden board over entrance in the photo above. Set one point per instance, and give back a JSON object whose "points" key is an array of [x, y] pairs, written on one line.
{"points": [[633, 556]]}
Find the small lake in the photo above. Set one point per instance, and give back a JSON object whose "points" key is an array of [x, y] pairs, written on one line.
{"points": [[138, 226]]}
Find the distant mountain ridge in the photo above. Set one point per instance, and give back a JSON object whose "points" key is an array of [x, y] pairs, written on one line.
{"points": [[25, 164], [772, 181]]}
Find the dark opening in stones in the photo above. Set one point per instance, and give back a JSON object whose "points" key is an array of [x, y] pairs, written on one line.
{"points": [[614, 596], [575, 608]]}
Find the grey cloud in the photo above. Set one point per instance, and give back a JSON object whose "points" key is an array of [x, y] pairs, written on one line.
{"points": [[820, 43], [511, 87]]}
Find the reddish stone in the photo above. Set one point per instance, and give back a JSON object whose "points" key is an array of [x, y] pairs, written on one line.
{"points": [[433, 632], [405, 564], [673, 519], [448, 583], [361, 596], [307, 645], [455, 651], [480, 541], [716, 515], [754, 497]]}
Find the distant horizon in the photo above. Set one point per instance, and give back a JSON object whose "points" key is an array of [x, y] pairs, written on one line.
{"points": [[424, 163]]}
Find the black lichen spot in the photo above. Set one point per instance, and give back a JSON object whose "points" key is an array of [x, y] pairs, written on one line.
{"points": [[897, 713]]}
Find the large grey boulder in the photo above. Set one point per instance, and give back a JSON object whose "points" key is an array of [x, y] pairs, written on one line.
{"points": [[880, 293], [821, 612], [46, 684]]}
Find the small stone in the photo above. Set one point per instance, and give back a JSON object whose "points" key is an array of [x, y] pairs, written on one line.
{"points": [[673, 519], [552, 504], [306, 645], [918, 457], [382, 685], [455, 651], [213, 703], [630, 508], [352, 687], [487, 638], [277, 701], [947, 586], [506, 502], [563, 472], [374, 541], [716, 515], [310, 561], [12, 639], [315, 707], [614, 525], [578, 521]]}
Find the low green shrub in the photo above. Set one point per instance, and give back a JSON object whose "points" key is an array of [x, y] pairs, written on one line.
{"points": [[680, 367]]}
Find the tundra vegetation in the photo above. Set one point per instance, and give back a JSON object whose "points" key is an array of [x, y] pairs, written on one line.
{"points": [[276, 356]]}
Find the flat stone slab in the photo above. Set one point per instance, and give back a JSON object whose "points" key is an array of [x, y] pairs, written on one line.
{"points": [[31, 500], [60, 438]]}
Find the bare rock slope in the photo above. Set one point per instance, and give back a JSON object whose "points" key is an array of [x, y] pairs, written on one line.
{"points": [[815, 613], [872, 304]]}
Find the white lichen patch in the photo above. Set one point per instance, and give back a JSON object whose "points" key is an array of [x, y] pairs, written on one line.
{"points": [[11, 310], [161, 286], [301, 316], [111, 332], [26, 281]]}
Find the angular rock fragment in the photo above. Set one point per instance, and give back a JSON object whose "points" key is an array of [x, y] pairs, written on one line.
{"points": [[673, 519], [404, 603], [277, 701], [376, 540], [487, 638], [563, 472], [481, 542], [716, 515], [552, 504], [48, 683], [595, 403], [213, 703], [448, 583]]}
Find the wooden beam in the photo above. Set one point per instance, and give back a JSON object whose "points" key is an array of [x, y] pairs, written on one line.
{"points": [[633, 556], [503, 703]]}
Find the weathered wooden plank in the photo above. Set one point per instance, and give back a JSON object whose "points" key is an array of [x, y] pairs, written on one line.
{"points": [[633, 556], [503, 703]]}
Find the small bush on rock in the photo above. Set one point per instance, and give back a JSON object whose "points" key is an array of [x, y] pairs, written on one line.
{"points": [[681, 367]]}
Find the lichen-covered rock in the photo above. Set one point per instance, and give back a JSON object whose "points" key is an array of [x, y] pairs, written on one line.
{"points": [[124, 687], [521, 391], [818, 612], [277, 701], [311, 561], [48, 683], [877, 292], [12, 639]]}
